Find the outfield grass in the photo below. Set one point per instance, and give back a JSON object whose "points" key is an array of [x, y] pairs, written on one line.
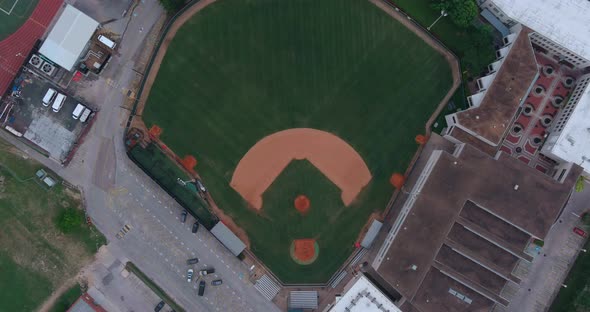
{"points": [[20, 14], [241, 70], [35, 257]]}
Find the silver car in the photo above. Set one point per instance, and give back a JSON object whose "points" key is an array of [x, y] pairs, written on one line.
{"points": [[189, 275]]}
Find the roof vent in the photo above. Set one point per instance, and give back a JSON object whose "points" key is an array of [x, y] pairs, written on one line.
{"points": [[477, 117], [516, 187]]}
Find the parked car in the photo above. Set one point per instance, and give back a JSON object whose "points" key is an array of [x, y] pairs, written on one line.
{"points": [[216, 282], [195, 227], [580, 232], [159, 306], [206, 271], [183, 216], [189, 275], [201, 288], [192, 261]]}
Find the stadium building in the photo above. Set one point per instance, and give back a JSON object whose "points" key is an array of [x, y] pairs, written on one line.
{"points": [[534, 101]]}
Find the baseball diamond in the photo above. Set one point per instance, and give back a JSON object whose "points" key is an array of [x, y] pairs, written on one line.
{"points": [[239, 73]]}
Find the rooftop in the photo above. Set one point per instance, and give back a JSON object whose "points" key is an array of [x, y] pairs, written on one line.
{"points": [[491, 119], [573, 143], [554, 19], [363, 296], [69, 37], [467, 228]]}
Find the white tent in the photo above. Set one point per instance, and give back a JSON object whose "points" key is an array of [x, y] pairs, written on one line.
{"points": [[68, 38]]}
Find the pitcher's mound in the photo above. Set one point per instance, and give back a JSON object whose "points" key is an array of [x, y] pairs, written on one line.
{"points": [[304, 251], [302, 204]]}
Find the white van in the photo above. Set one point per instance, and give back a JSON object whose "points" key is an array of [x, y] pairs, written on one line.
{"points": [[49, 97], [106, 41], [59, 102], [78, 111], [85, 115]]}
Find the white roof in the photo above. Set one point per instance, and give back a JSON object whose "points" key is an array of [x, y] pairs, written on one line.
{"points": [[364, 291], [573, 143], [69, 36], [563, 21]]}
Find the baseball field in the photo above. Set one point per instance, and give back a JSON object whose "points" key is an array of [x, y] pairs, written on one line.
{"points": [[283, 100]]}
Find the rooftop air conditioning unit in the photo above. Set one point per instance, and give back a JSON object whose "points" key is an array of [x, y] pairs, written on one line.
{"points": [[47, 68], [35, 60]]}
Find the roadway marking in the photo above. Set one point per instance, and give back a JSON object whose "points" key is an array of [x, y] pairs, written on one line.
{"points": [[153, 195], [170, 232], [182, 243], [192, 253], [200, 240], [222, 261], [159, 202], [166, 259], [175, 237]]}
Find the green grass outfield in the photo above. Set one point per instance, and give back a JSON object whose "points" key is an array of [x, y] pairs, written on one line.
{"points": [[21, 12], [241, 70]]}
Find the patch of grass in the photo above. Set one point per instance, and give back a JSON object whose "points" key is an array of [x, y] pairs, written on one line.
{"points": [[23, 288], [10, 23], [577, 294], [341, 66], [153, 286], [38, 251], [66, 299], [473, 45]]}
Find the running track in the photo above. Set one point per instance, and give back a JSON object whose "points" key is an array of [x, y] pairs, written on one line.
{"points": [[15, 48]]}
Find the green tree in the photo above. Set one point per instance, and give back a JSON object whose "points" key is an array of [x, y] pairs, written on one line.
{"points": [[580, 184], [70, 219], [171, 6], [462, 12]]}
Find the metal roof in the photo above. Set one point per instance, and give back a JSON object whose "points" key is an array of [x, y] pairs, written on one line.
{"points": [[228, 238], [371, 234], [303, 299], [68, 37]]}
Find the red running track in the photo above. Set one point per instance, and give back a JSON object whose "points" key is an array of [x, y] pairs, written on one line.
{"points": [[15, 48]]}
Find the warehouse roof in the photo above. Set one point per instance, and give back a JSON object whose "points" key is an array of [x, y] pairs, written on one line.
{"points": [[69, 37]]}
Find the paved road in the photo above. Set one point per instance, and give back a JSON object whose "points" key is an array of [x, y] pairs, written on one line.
{"points": [[118, 193], [550, 267]]}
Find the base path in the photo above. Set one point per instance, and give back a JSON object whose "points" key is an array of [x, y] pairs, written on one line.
{"points": [[263, 163]]}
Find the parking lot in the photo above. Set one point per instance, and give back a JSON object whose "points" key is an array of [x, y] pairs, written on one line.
{"points": [[53, 132]]}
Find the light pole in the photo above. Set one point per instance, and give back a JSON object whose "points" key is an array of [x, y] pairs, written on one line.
{"points": [[442, 14]]}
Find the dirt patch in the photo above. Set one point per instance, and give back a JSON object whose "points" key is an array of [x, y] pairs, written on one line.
{"points": [[304, 251], [335, 158], [302, 204]]}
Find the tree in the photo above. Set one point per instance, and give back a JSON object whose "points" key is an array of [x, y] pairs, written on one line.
{"points": [[462, 12], [171, 6], [70, 219], [580, 184]]}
